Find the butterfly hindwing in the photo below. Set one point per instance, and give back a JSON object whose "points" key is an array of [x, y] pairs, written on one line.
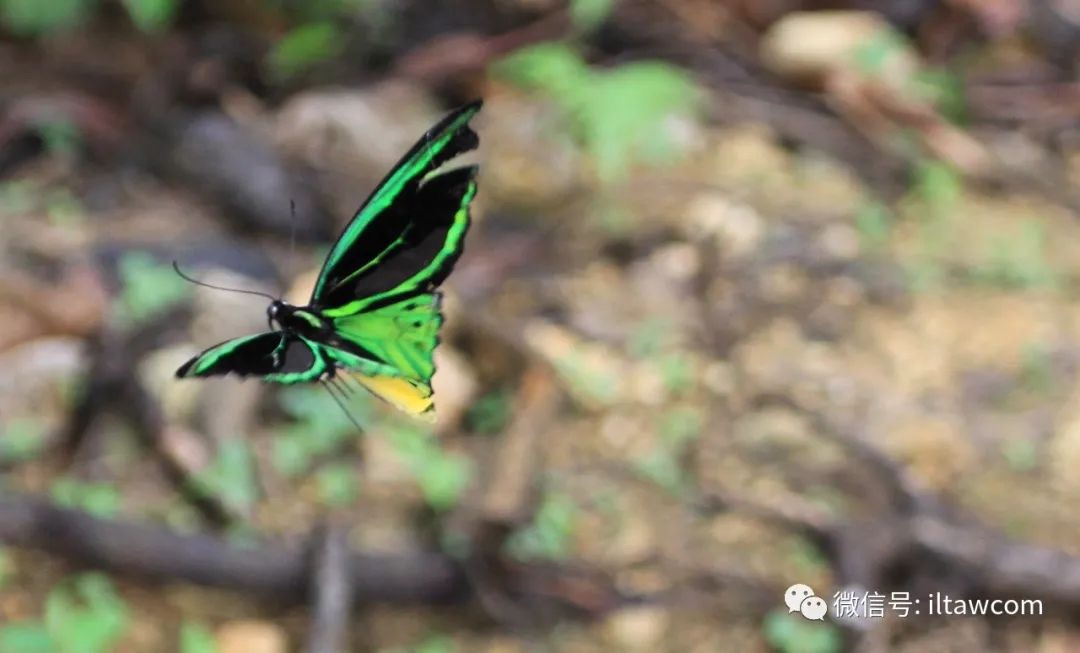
{"points": [[397, 224], [395, 344], [274, 356], [408, 395], [401, 336]]}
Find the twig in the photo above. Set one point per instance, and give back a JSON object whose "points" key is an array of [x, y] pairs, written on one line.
{"points": [[332, 592], [799, 516], [270, 570], [507, 501], [906, 494], [114, 385]]}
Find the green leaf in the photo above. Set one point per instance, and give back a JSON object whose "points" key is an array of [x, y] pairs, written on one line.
{"points": [[337, 484], [60, 135], [945, 89], [443, 480], [552, 67], [289, 455], [231, 476], [662, 467], [491, 412], [98, 499], [618, 115], [873, 221], [64, 209], [623, 120], [26, 637], [321, 427], [1022, 455], [17, 197], [587, 15], [871, 56], [85, 614], [1037, 371], [649, 336], [323, 424], [43, 17], [22, 439], [442, 477], [196, 638], [805, 555], [792, 633], [549, 536], [149, 288], [151, 15], [306, 46], [1018, 260], [436, 644], [680, 426], [937, 184], [676, 371]]}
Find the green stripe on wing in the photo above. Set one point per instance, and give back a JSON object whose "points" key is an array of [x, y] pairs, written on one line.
{"points": [[317, 368], [451, 248], [204, 363], [402, 336], [415, 165]]}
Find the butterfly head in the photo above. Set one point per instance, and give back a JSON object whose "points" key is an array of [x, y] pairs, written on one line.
{"points": [[276, 312]]}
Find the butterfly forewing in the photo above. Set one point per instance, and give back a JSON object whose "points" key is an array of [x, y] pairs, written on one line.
{"points": [[395, 217]]}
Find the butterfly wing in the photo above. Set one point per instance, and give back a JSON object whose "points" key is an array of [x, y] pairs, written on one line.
{"points": [[398, 343], [377, 285], [274, 356], [408, 234]]}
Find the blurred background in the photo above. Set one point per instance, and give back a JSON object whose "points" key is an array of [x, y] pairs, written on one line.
{"points": [[757, 293]]}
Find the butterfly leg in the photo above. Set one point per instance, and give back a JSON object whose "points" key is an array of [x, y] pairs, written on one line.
{"points": [[350, 383], [340, 401], [338, 383]]}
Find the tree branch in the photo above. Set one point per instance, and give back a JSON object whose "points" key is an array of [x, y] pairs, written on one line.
{"points": [[271, 570]]}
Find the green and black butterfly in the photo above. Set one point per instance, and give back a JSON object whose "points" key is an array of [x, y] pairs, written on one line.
{"points": [[374, 313]]}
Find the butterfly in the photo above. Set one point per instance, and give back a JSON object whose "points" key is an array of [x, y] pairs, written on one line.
{"points": [[373, 315]]}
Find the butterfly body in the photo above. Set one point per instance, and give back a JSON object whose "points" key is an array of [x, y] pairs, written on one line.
{"points": [[374, 312], [298, 319]]}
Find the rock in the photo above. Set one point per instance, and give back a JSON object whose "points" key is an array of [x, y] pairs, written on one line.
{"points": [[823, 190], [251, 636], [808, 46], [595, 375], [354, 137], [637, 629], [363, 132], [1063, 450], [750, 159], [935, 447], [531, 161], [738, 228], [455, 387], [677, 262], [229, 162], [41, 364], [840, 242], [157, 372]]}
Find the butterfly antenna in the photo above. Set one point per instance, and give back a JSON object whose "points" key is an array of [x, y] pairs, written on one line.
{"points": [[341, 404], [176, 267]]}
